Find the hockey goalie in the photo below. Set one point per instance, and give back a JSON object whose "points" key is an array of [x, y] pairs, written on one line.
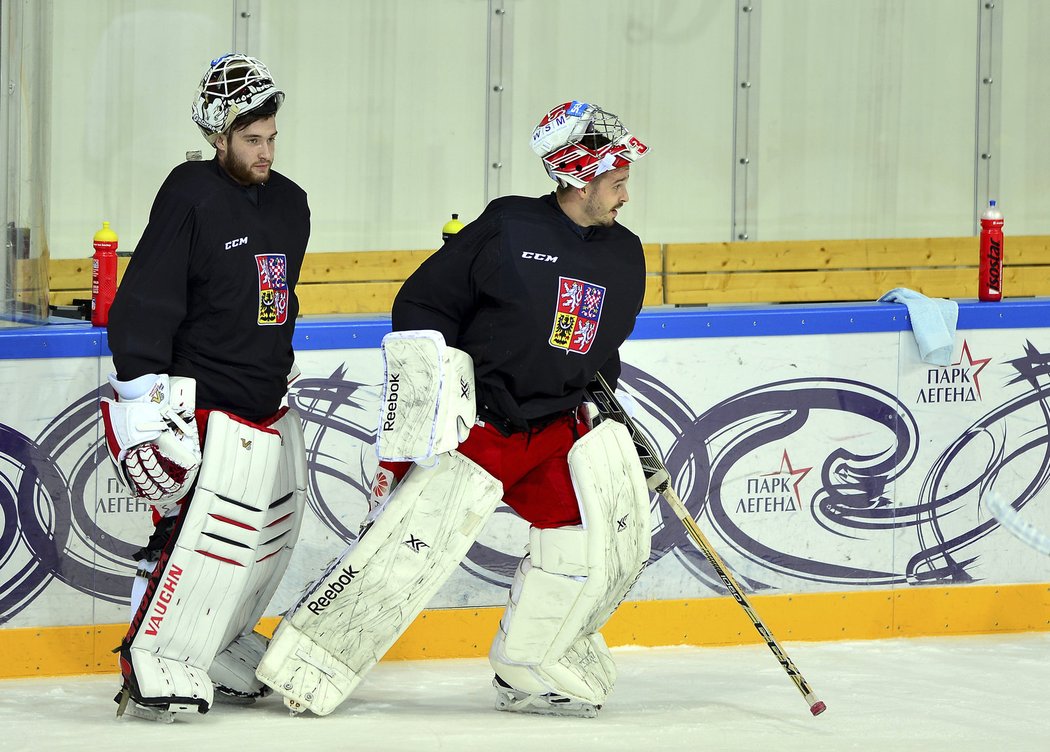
{"points": [[495, 338], [201, 335]]}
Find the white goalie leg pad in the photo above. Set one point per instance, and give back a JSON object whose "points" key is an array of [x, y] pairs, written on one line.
{"points": [[233, 670], [574, 577], [365, 600], [428, 404], [201, 588]]}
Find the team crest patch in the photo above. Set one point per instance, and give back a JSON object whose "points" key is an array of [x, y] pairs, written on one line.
{"points": [[273, 288], [576, 317]]}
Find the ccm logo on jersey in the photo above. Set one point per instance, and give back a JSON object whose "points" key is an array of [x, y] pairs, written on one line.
{"points": [[236, 242], [332, 590], [392, 385], [539, 256]]}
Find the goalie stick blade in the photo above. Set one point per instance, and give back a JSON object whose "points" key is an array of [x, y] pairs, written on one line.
{"points": [[1023, 530]]}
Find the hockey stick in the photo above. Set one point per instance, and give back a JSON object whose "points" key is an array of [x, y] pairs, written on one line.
{"points": [[1022, 529], [659, 480]]}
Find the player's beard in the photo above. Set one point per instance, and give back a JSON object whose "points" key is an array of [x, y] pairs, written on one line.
{"points": [[241, 170], [598, 214]]}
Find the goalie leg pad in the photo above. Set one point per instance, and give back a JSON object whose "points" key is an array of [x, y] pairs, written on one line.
{"points": [[233, 670], [428, 404], [198, 586], [367, 598], [280, 528], [575, 577]]}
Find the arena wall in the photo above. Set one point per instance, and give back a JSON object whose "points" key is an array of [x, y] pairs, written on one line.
{"points": [[844, 481]]}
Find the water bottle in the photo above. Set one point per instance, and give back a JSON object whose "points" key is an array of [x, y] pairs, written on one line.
{"points": [[990, 277], [103, 275], [451, 228]]}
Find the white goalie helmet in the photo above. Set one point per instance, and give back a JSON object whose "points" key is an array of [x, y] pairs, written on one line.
{"points": [[579, 141], [233, 85]]}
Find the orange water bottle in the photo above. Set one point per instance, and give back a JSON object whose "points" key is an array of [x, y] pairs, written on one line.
{"points": [[103, 275], [990, 268]]}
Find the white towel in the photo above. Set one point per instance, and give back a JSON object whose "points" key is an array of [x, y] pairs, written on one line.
{"points": [[933, 322]]}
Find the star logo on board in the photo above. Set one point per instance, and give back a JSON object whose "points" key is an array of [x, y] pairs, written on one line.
{"points": [[971, 362], [795, 475]]}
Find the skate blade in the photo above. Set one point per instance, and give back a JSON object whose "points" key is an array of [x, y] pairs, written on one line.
{"points": [[227, 696], [128, 708], [142, 712], [515, 702]]}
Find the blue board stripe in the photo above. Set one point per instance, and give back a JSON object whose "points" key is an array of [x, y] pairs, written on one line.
{"points": [[348, 333]]}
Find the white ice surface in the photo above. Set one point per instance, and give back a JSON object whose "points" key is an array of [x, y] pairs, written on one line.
{"points": [[962, 693]]}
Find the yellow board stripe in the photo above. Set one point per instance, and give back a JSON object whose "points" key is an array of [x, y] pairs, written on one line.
{"points": [[467, 632]]}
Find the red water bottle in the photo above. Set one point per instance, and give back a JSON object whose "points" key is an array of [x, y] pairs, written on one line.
{"points": [[103, 275], [990, 278]]}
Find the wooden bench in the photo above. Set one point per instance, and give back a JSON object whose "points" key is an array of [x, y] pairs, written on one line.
{"points": [[683, 274], [816, 271], [348, 282]]}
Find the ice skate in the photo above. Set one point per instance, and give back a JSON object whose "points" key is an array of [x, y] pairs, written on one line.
{"points": [[229, 696], [128, 708], [516, 701]]}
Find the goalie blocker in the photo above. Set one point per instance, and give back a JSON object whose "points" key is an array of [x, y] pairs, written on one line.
{"points": [[428, 404], [230, 545]]}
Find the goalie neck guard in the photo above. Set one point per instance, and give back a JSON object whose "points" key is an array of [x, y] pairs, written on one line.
{"points": [[234, 85], [579, 141]]}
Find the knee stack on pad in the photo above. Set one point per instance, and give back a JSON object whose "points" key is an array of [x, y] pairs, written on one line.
{"points": [[574, 577], [231, 544]]}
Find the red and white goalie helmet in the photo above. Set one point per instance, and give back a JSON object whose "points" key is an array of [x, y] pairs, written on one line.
{"points": [[579, 141], [234, 85]]}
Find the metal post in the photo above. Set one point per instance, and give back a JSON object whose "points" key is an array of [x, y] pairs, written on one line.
{"points": [[989, 87], [745, 120], [246, 24], [497, 126], [10, 61], [25, 137]]}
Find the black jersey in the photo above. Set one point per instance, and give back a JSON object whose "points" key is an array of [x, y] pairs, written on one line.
{"points": [[538, 302], [210, 289]]}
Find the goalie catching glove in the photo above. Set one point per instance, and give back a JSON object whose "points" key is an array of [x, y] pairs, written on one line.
{"points": [[152, 436]]}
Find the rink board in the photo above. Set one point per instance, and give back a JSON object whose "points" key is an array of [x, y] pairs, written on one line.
{"points": [[843, 480]]}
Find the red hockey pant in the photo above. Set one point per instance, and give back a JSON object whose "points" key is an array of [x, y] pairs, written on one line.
{"points": [[533, 468]]}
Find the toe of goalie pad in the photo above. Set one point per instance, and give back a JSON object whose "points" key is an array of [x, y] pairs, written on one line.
{"points": [[157, 682], [305, 673], [586, 673], [512, 700]]}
